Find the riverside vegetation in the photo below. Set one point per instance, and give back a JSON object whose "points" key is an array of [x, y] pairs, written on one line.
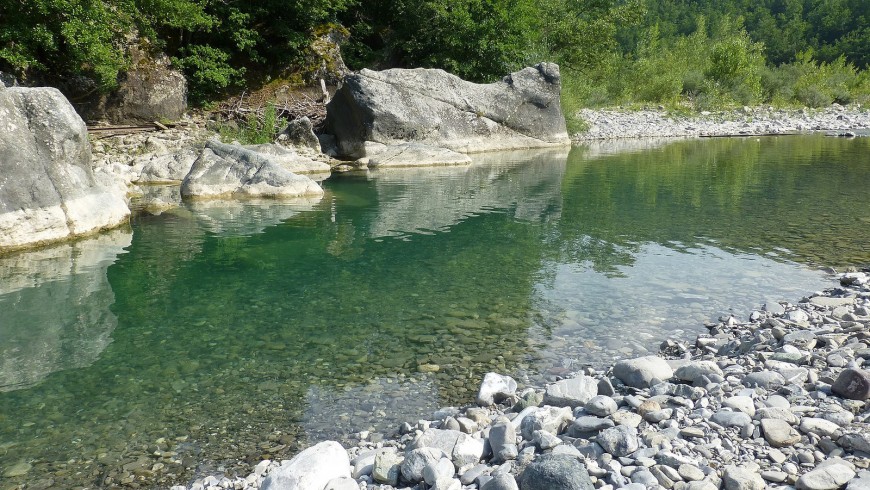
{"points": [[705, 54]]}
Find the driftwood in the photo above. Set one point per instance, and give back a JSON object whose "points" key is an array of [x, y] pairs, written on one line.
{"points": [[100, 132], [287, 105]]}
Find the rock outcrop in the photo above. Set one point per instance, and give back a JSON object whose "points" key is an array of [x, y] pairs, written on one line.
{"points": [[435, 108], [232, 171], [151, 90], [47, 187]]}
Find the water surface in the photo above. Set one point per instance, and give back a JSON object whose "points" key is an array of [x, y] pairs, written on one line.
{"points": [[212, 335]]}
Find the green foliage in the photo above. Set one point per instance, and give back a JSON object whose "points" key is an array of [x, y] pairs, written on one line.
{"points": [[254, 131], [208, 71], [708, 52], [815, 83]]}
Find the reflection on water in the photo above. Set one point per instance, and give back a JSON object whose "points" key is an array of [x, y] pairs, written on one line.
{"points": [[55, 308], [414, 200], [234, 331]]}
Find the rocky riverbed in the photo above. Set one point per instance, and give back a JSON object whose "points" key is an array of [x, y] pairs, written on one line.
{"points": [[779, 400], [748, 121]]}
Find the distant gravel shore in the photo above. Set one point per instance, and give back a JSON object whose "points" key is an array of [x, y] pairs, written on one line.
{"points": [[605, 124]]}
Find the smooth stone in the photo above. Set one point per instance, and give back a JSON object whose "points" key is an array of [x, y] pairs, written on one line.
{"points": [[802, 339], [550, 419], [797, 316], [343, 483], [737, 478], [861, 482], [624, 417], [447, 484], [556, 472], [779, 433], [857, 441], [545, 440], [589, 423], [416, 461], [468, 450], [571, 392], [644, 477], [828, 477], [311, 469], [727, 418], [774, 476], [619, 441], [829, 302], [692, 432], [694, 370], [363, 464], [601, 406], [769, 380], [639, 372], [777, 413], [744, 404], [853, 384], [500, 435], [434, 471], [501, 482], [387, 468], [471, 475], [495, 388], [818, 426], [690, 472]]}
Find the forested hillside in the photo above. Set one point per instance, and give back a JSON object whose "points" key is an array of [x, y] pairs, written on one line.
{"points": [[705, 52]]}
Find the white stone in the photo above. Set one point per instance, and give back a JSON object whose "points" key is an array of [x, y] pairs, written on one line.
{"points": [[494, 388], [311, 469]]}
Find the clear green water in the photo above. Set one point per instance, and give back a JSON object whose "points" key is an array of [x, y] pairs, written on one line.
{"points": [[222, 333]]}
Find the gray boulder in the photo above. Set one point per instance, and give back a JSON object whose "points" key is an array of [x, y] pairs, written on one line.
{"points": [[619, 441], [571, 392], [151, 90], [640, 371], [853, 384], [47, 186], [556, 472], [225, 170], [436, 108], [300, 132]]}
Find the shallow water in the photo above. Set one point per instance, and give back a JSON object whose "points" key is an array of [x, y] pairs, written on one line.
{"points": [[216, 334]]}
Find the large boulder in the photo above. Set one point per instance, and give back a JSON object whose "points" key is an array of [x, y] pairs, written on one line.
{"points": [[438, 109], [232, 171], [150, 90], [47, 186]]}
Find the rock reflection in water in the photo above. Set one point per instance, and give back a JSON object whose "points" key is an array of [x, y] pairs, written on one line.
{"points": [[225, 218], [55, 308], [415, 200]]}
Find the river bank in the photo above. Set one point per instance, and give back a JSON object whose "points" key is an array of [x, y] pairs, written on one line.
{"points": [[607, 124], [778, 399]]}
